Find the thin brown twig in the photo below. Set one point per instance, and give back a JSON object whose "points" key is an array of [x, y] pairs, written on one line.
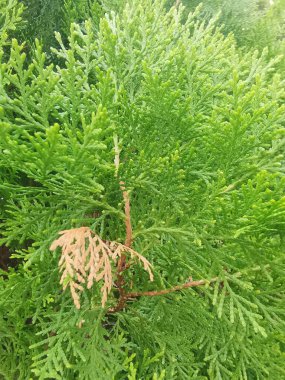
{"points": [[130, 296], [128, 224], [189, 284], [128, 241]]}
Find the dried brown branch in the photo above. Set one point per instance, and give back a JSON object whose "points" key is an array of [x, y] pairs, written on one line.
{"points": [[130, 296], [86, 258], [186, 285], [189, 284]]}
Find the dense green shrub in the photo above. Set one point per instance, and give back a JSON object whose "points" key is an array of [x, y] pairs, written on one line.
{"points": [[200, 129]]}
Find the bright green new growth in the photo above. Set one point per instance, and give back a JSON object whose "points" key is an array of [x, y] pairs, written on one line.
{"points": [[10, 13], [201, 134]]}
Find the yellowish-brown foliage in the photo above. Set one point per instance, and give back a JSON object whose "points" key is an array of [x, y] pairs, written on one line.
{"points": [[86, 258]]}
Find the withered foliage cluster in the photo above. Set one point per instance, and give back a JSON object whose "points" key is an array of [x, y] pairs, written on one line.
{"points": [[87, 259]]}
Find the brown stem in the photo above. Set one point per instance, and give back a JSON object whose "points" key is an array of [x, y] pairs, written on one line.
{"points": [[128, 296], [128, 224], [128, 241], [120, 305], [189, 284]]}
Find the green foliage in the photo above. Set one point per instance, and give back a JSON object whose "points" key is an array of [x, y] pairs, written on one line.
{"points": [[201, 134], [42, 18], [269, 32], [10, 15], [239, 17], [256, 24]]}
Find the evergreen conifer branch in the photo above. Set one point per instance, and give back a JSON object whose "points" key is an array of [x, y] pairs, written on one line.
{"points": [[200, 126]]}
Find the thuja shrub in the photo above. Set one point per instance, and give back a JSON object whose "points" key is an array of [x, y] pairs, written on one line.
{"points": [[142, 184]]}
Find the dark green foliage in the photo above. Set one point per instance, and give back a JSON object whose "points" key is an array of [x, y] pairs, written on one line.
{"points": [[201, 133], [41, 18]]}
